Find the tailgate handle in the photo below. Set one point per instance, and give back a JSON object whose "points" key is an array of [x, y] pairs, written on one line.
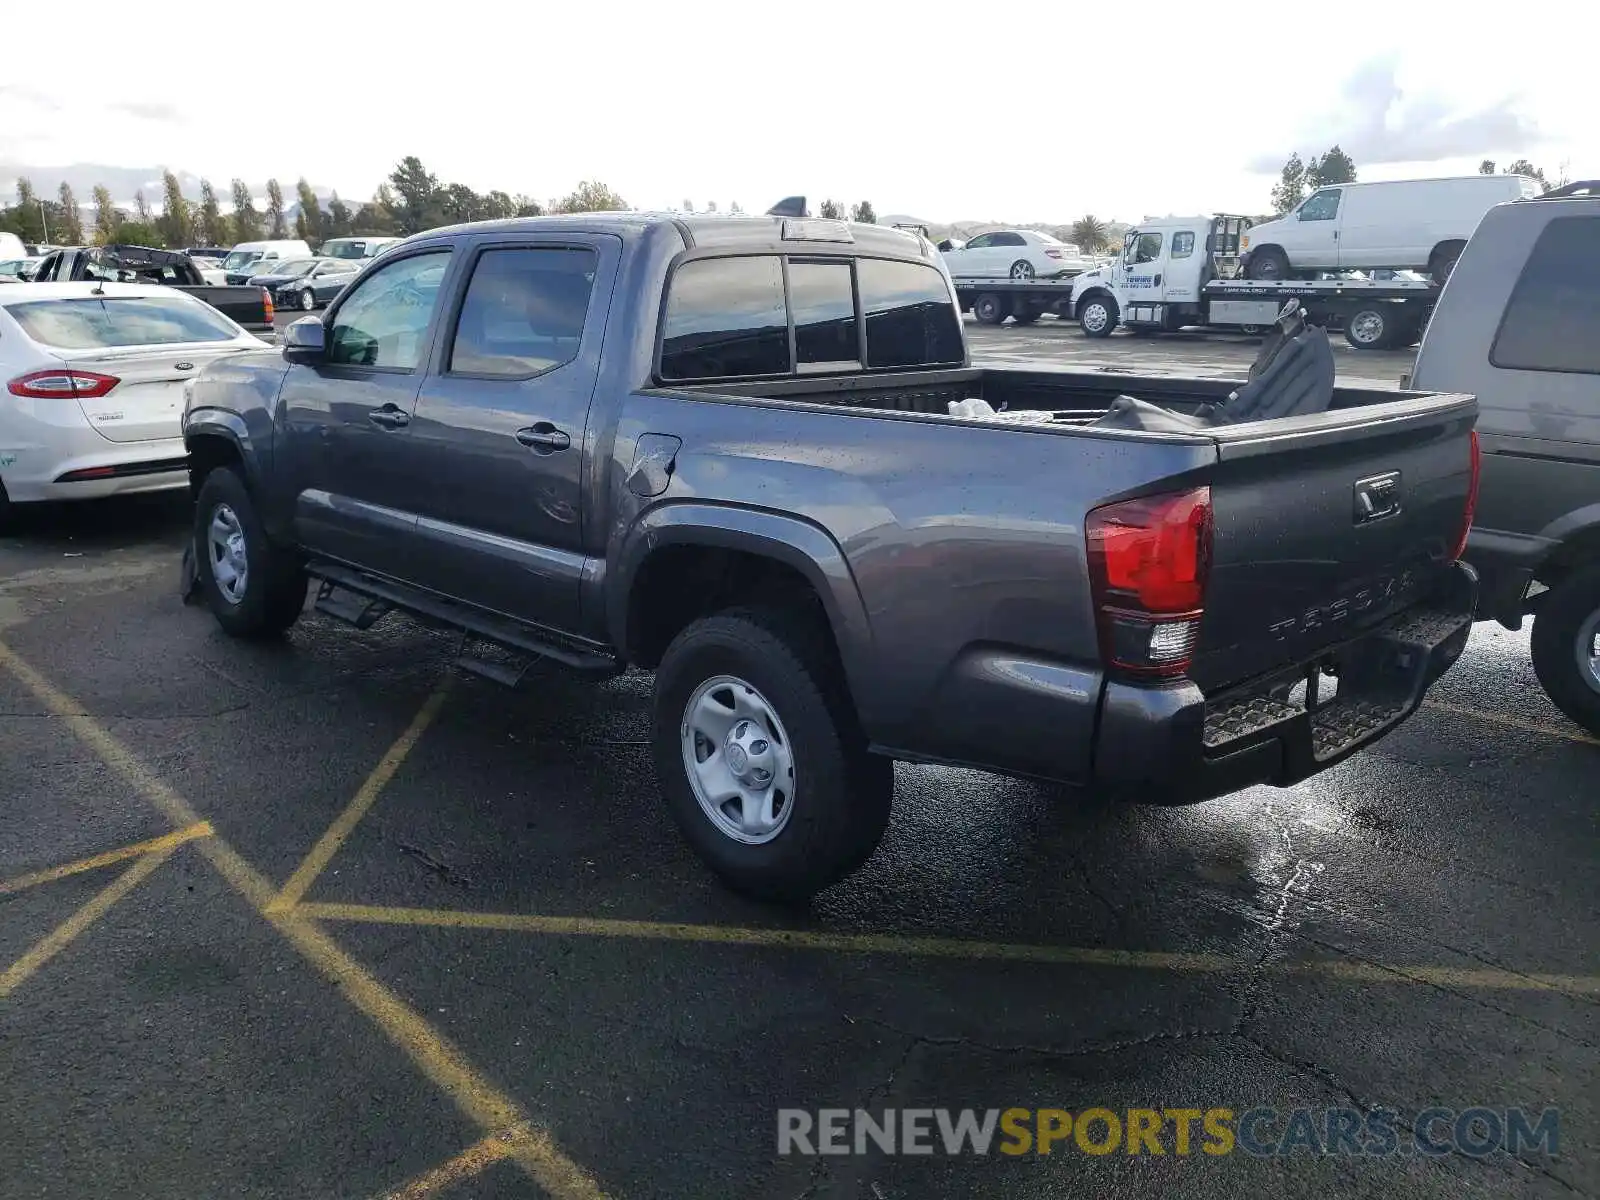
{"points": [[1377, 497]]}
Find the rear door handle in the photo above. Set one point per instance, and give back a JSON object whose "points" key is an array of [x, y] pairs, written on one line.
{"points": [[544, 438], [389, 416]]}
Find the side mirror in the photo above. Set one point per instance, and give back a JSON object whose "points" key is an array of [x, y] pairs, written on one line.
{"points": [[305, 341]]}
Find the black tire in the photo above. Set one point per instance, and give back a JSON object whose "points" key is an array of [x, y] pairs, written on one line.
{"points": [[1022, 269], [1443, 261], [991, 308], [842, 794], [1098, 324], [275, 585], [1372, 328], [1027, 317], [1567, 613], [1268, 263]]}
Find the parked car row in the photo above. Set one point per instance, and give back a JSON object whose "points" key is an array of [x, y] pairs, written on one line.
{"points": [[306, 283]]}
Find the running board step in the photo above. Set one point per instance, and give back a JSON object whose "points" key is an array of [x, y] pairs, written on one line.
{"points": [[350, 607]]}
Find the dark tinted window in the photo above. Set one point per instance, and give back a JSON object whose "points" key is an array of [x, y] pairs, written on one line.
{"points": [[384, 321], [911, 320], [725, 319], [524, 310], [822, 298], [1010, 239], [1552, 322]]}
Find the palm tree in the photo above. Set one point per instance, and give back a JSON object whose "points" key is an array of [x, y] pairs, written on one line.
{"points": [[1090, 234]]}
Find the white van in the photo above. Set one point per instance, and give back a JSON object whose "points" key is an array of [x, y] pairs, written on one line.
{"points": [[1410, 224], [357, 247], [247, 255], [11, 246]]}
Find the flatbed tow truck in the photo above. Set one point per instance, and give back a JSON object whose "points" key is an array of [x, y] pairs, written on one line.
{"points": [[1185, 272]]}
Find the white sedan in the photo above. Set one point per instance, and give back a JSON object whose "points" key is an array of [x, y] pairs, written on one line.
{"points": [[1015, 254], [92, 386]]}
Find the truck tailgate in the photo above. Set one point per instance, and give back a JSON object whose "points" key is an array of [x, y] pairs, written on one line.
{"points": [[1328, 525]]}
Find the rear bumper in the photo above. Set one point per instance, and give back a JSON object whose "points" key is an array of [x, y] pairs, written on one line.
{"points": [[1505, 563], [1174, 745]]}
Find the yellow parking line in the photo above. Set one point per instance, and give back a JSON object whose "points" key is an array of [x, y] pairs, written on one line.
{"points": [[1544, 727], [934, 947], [62, 935], [473, 1094], [176, 838], [475, 1159], [328, 845]]}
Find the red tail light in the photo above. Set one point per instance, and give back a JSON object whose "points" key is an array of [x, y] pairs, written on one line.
{"points": [[1475, 472], [1148, 564], [266, 301], [61, 381], [1053, 253]]}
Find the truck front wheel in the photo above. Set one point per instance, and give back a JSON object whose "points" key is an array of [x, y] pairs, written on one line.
{"points": [[1566, 647], [991, 309], [1097, 316], [1371, 329], [760, 758], [253, 588]]}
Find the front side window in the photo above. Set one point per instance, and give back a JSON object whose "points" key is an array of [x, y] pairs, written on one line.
{"points": [[1182, 245], [524, 310], [982, 242], [1144, 248], [95, 322], [822, 299], [726, 319], [384, 321], [1323, 206], [1552, 322], [911, 321]]}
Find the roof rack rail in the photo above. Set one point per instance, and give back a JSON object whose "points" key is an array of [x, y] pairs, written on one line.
{"points": [[1578, 187]]}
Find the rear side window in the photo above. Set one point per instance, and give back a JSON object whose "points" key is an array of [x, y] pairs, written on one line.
{"points": [[1552, 322], [911, 321], [726, 319], [1182, 245], [95, 323], [524, 310]]}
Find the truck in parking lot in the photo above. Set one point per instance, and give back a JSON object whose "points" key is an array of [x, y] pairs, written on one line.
{"points": [[248, 307], [1519, 326], [722, 449]]}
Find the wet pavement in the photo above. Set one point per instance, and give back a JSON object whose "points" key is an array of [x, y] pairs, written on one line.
{"points": [[387, 913]]}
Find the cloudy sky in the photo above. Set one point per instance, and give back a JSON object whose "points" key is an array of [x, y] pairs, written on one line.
{"points": [[1010, 113]]}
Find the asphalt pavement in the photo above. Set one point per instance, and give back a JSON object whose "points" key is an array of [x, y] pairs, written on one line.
{"points": [[325, 919]]}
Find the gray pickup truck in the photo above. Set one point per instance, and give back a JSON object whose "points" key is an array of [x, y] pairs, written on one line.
{"points": [[1518, 325], [722, 449]]}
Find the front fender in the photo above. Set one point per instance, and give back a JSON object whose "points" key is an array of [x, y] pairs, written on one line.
{"points": [[786, 538], [230, 427]]}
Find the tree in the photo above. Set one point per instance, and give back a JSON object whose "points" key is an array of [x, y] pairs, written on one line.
{"points": [[213, 225], [1523, 167], [277, 227], [141, 210], [498, 206], [378, 214], [527, 206], [688, 206], [1486, 167], [711, 206], [28, 218], [1291, 186], [71, 217], [1089, 232], [139, 233], [246, 220], [176, 225], [1332, 168], [832, 210], [594, 197], [339, 217], [106, 216], [458, 203], [862, 213], [311, 212], [735, 209], [415, 199]]}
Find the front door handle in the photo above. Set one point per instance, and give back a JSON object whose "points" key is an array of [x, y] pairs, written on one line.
{"points": [[543, 438], [389, 416]]}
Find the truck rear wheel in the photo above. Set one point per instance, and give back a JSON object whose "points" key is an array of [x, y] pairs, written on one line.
{"points": [[760, 757], [991, 308], [1268, 263], [1443, 261], [253, 588], [1566, 647], [1097, 315], [1025, 316], [1372, 328]]}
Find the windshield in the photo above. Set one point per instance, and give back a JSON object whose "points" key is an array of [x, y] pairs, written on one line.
{"points": [[240, 259], [344, 249], [115, 321], [290, 269]]}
